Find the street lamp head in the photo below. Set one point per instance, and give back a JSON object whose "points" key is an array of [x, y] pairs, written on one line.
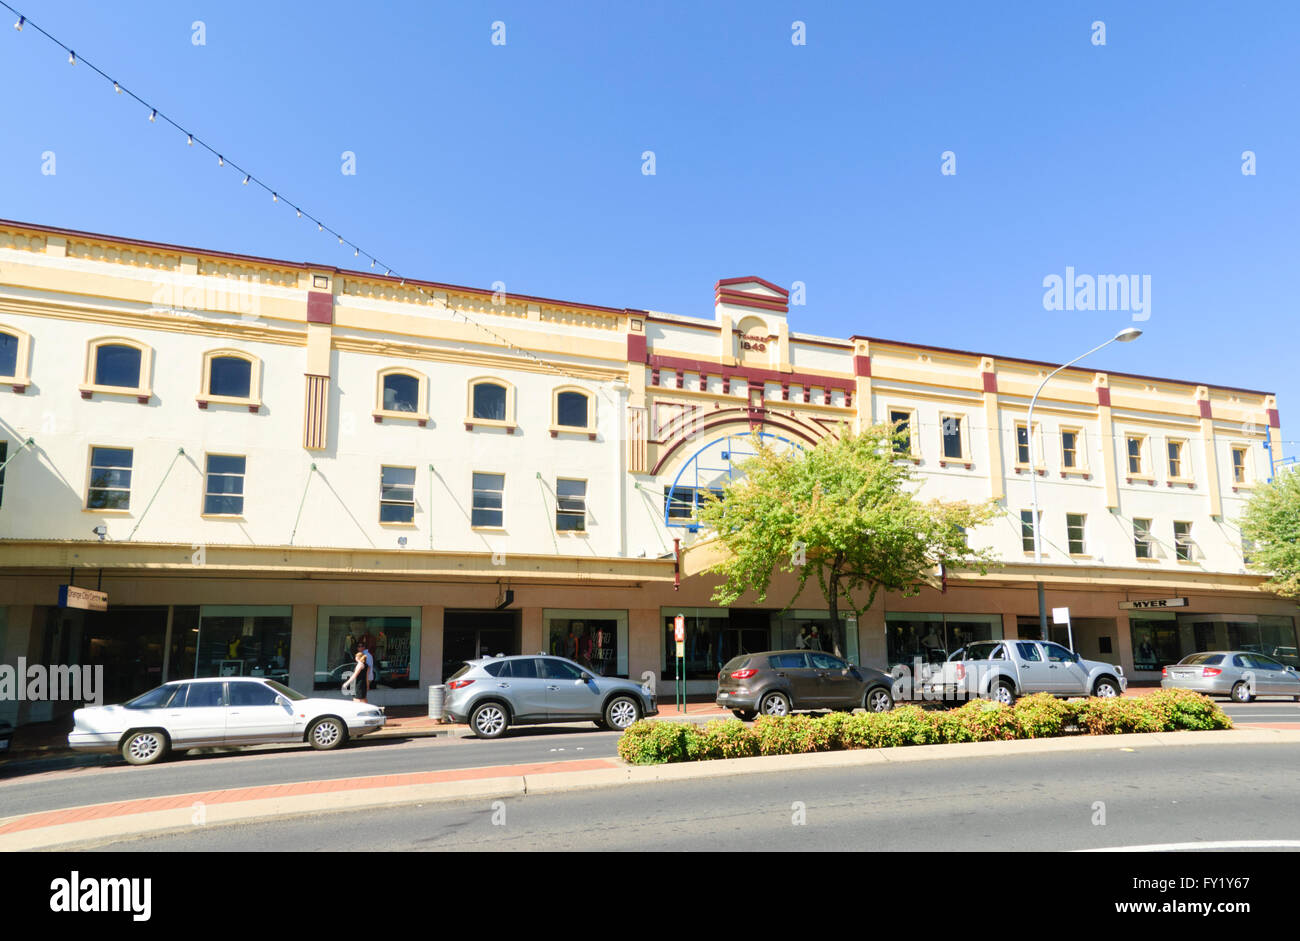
{"points": [[1128, 334]]}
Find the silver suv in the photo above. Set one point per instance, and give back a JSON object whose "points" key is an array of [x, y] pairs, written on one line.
{"points": [[494, 693]]}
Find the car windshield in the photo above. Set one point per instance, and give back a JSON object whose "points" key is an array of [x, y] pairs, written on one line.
{"points": [[286, 692], [461, 672], [154, 699], [1197, 659]]}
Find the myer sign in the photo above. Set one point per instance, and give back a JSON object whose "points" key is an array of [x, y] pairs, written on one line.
{"points": [[1155, 603], [70, 596]]}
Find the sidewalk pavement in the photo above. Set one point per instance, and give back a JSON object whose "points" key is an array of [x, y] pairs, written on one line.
{"points": [[100, 823]]}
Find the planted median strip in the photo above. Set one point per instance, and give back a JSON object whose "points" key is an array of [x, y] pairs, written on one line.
{"points": [[1038, 716]]}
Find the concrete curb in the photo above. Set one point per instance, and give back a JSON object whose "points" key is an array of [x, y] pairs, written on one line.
{"points": [[179, 818]]}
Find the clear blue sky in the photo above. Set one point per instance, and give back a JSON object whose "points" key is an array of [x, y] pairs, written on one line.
{"points": [[818, 163]]}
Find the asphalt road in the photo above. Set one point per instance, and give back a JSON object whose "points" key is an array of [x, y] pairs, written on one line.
{"points": [[112, 779], [1069, 801], [274, 764]]}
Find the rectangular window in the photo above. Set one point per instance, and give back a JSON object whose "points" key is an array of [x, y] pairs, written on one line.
{"points": [[1175, 459], [489, 500], [902, 422], [1238, 465], [396, 494], [110, 479], [1135, 454], [1142, 539], [952, 446], [1022, 445], [224, 491], [4, 455], [1247, 547], [1027, 529], [1069, 449], [1075, 524], [683, 501], [571, 505], [1183, 541]]}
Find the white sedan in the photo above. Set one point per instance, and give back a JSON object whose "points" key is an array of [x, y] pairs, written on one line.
{"points": [[219, 711]]}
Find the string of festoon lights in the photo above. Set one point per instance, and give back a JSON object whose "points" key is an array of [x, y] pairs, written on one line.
{"points": [[248, 178]]}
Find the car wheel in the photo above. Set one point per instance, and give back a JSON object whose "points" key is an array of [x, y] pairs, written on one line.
{"points": [[144, 748], [621, 712], [327, 733], [744, 715], [1241, 693], [878, 700], [1005, 694], [774, 704], [1106, 688], [489, 720]]}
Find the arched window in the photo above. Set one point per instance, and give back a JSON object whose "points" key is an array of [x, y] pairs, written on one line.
{"points": [[118, 366], [15, 346], [231, 377], [491, 404], [401, 393], [573, 410]]}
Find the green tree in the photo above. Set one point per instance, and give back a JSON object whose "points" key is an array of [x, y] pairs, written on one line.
{"points": [[842, 511], [1272, 522]]}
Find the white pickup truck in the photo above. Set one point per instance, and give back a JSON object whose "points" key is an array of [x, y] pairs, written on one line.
{"points": [[1005, 669]]}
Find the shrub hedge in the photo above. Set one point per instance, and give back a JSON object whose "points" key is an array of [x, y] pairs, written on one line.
{"points": [[1038, 716]]}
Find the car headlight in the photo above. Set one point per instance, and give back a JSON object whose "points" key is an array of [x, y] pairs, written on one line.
{"points": [[370, 712]]}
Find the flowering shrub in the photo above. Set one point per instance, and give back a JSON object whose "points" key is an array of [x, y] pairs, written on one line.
{"points": [[1038, 716]]}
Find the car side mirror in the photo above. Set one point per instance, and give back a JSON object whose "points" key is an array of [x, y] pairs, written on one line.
{"points": [[282, 702], [586, 678]]}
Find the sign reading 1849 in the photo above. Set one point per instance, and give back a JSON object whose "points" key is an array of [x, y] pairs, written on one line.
{"points": [[1155, 603]]}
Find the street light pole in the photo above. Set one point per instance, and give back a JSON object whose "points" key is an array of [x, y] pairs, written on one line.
{"points": [[1124, 336]]}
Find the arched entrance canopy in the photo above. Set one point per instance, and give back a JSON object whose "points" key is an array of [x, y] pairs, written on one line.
{"points": [[709, 469]]}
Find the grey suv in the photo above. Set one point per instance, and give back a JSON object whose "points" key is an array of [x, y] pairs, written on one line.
{"points": [[494, 693], [778, 682]]}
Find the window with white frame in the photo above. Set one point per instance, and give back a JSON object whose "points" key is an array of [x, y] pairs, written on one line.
{"points": [[570, 505], [224, 487], [1240, 457], [1027, 529], [1143, 544], [573, 410], [1076, 532], [119, 366], [401, 393], [906, 441], [1174, 452], [1134, 445], [491, 403], [15, 353], [396, 494], [953, 443], [1023, 455], [109, 486], [488, 509], [1183, 541], [1072, 453]]}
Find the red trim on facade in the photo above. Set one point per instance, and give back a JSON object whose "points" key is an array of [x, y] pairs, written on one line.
{"points": [[1103, 396], [1273, 420], [734, 416], [785, 392], [1204, 406], [767, 284], [751, 374], [750, 300], [990, 381], [320, 307], [636, 347], [862, 366], [681, 377]]}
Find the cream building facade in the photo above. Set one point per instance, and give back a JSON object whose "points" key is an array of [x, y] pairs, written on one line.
{"points": [[263, 463]]}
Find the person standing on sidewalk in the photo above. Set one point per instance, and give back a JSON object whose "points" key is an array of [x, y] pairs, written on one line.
{"points": [[358, 682]]}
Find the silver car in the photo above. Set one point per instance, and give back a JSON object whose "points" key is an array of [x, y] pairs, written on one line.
{"points": [[493, 693], [1241, 674]]}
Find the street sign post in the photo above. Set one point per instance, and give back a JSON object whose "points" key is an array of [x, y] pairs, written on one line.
{"points": [[1062, 616], [679, 688]]}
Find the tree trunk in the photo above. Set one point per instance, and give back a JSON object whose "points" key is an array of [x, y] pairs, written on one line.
{"points": [[834, 603]]}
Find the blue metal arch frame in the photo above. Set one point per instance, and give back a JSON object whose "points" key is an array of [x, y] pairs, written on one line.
{"points": [[729, 455]]}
